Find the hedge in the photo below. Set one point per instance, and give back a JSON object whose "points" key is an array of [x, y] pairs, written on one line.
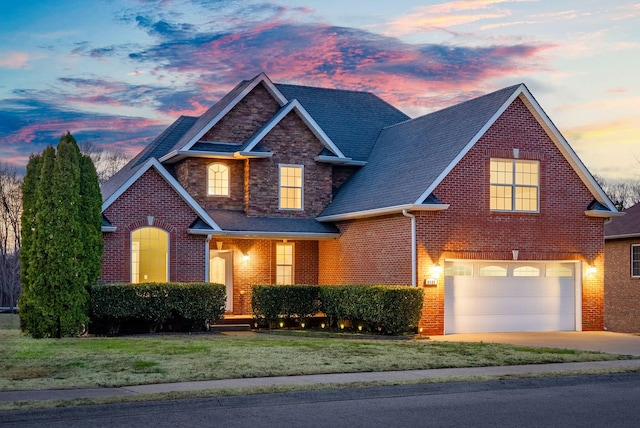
{"points": [[271, 302], [154, 306], [377, 308]]}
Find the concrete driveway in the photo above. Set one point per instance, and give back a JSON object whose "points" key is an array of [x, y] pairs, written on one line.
{"points": [[604, 341]]}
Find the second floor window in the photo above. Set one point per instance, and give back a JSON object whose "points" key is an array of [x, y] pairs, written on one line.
{"points": [[514, 185], [217, 180], [291, 189]]}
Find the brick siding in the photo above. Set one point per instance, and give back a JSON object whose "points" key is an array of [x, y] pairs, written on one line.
{"points": [[151, 195], [621, 292], [261, 266]]}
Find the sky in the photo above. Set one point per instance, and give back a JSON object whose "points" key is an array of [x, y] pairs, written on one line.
{"points": [[115, 73]]}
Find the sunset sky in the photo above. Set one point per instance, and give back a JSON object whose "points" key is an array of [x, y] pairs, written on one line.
{"points": [[115, 73]]}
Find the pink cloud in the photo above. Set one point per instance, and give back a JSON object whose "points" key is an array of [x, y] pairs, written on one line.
{"points": [[14, 60]]}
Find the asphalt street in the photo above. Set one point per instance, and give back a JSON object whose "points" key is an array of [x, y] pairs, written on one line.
{"points": [[575, 401]]}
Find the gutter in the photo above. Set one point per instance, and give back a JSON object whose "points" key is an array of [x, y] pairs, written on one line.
{"points": [[206, 258], [414, 261], [396, 209]]}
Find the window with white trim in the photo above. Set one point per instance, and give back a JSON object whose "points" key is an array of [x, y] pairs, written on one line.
{"points": [[291, 187], [284, 263], [635, 261], [458, 270], [217, 180], [526, 271], [514, 185], [149, 255], [493, 271]]}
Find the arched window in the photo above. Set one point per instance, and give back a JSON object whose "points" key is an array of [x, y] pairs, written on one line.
{"points": [[218, 180], [149, 255]]}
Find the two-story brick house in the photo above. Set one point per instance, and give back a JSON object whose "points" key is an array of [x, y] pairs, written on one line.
{"points": [[483, 204]]}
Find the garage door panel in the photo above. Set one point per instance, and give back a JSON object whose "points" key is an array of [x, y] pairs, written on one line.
{"points": [[506, 306], [513, 323], [494, 304]]}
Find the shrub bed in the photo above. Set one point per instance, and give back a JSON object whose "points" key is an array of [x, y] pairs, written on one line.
{"points": [[273, 302], [153, 307], [375, 308]]}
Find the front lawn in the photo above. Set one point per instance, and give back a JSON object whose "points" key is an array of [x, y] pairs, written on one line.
{"points": [[99, 361]]}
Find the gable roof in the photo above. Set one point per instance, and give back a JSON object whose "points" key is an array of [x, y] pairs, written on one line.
{"points": [[411, 158], [139, 170], [306, 118], [155, 149], [351, 119], [219, 110], [627, 226]]}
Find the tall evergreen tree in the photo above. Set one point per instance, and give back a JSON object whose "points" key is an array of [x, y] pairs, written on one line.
{"points": [[91, 219], [66, 246], [28, 224]]}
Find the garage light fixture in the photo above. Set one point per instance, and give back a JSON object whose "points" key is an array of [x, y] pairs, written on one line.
{"points": [[591, 270]]}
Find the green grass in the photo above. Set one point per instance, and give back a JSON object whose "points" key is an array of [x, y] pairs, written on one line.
{"points": [[27, 363]]}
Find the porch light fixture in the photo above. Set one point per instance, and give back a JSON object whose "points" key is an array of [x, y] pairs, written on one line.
{"points": [[591, 270], [434, 274], [245, 258], [435, 270]]}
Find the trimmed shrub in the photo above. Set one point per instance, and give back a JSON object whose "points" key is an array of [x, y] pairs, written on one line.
{"points": [[377, 308], [153, 306], [386, 309], [271, 302]]}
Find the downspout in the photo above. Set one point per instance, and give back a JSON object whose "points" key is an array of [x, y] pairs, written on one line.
{"points": [[414, 261], [206, 258]]}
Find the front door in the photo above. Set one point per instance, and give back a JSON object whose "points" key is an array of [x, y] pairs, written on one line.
{"points": [[221, 272]]}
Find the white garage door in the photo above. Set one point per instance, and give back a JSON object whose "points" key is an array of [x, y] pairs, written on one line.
{"points": [[501, 297]]}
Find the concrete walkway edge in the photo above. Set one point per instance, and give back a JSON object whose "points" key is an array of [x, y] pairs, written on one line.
{"points": [[336, 378]]}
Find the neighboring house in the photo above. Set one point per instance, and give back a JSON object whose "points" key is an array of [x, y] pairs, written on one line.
{"points": [[483, 204], [622, 272]]}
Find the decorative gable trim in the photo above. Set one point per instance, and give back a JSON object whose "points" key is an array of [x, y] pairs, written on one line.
{"points": [[560, 142], [153, 163], [261, 78], [295, 105]]}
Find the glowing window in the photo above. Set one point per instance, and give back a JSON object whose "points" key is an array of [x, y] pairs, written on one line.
{"points": [[458, 270], [218, 180], [493, 271], [284, 263], [291, 189], [559, 271], [149, 255], [526, 271], [514, 185]]}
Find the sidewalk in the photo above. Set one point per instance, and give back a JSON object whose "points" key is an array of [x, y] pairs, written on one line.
{"points": [[338, 378]]}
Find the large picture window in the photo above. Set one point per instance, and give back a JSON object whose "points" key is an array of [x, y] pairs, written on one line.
{"points": [[218, 180], [635, 261], [149, 255], [284, 263], [514, 185], [291, 189]]}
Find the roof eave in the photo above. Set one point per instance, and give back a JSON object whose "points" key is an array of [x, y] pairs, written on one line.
{"points": [[603, 213], [623, 236], [250, 234], [397, 209]]}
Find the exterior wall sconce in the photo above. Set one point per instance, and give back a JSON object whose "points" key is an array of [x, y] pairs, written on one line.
{"points": [[434, 274], [591, 270], [245, 258]]}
